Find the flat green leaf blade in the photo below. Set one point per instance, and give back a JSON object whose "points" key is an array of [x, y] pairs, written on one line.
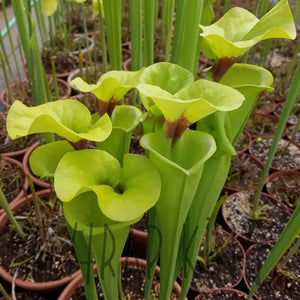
{"points": [[111, 85], [286, 238], [68, 118], [194, 101], [166, 76], [238, 30], [44, 159], [140, 188], [79, 171]]}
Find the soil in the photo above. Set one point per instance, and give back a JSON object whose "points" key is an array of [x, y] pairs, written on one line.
{"points": [[32, 295], [262, 126], [290, 132], [235, 214], [242, 143], [32, 258], [222, 295], [276, 285], [74, 20], [285, 187], [133, 280], [9, 145], [226, 269], [64, 61], [23, 92], [287, 156], [244, 173], [264, 105], [11, 179], [293, 118], [89, 100]]}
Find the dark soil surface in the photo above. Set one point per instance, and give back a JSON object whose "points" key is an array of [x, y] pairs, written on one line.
{"points": [[264, 105], [12, 179], [242, 143], [276, 285], [235, 214], [133, 281], [290, 133], [222, 295], [287, 156], [261, 125], [244, 173], [24, 93], [89, 100], [293, 118], [9, 145], [286, 188], [64, 61], [33, 258], [226, 269]]}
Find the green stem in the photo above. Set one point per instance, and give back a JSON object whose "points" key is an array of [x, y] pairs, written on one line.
{"points": [[54, 78], [7, 82], [5, 206], [10, 41], [292, 251], [102, 37], [85, 31], [38, 214], [4, 293]]}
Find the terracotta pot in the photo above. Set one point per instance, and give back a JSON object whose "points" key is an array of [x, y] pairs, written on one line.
{"points": [[35, 286], [220, 294], [40, 183], [275, 289], [138, 239], [60, 82], [25, 185], [235, 208], [243, 174], [127, 64], [294, 190], [260, 147], [125, 261], [241, 256]]}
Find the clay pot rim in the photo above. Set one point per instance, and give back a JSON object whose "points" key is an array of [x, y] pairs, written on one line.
{"points": [[125, 261], [242, 271], [268, 138], [240, 237], [230, 290], [59, 81], [33, 286], [25, 163]]}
